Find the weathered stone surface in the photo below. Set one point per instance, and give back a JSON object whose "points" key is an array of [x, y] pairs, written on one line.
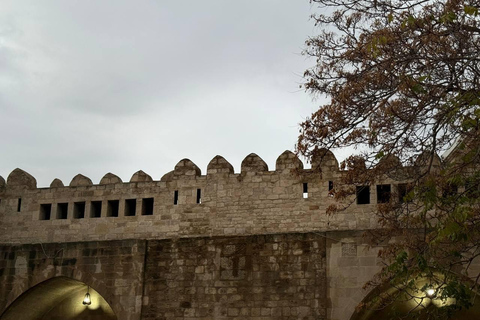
{"points": [[181, 204], [186, 168], [253, 163], [113, 268], [272, 277], [391, 161], [288, 161], [2, 182], [141, 176], [110, 178], [219, 165], [56, 183], [426, 158], [232, 246], [19, 178], [325, 159], [167, 176], [81, 181]]}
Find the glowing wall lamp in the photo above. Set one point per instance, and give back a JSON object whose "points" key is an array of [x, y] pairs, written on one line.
{"points": [[87, 300], [430, 292]]}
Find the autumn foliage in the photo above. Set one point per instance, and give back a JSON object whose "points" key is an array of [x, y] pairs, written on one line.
{"points": [[403, 83]]}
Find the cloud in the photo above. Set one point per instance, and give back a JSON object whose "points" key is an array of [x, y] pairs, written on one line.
{"points": [[99, 86]]}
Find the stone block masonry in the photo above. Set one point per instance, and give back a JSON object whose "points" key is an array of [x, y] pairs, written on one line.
{"points": [[257, 277], [183, 203], [279, 276], [251, 245], [113, 268]]}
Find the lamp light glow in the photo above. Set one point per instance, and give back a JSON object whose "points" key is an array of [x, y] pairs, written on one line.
{"points": [[430, 292], [87, 300]]}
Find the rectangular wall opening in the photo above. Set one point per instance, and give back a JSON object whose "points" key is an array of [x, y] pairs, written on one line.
{"points": [[363, 194], [199, 196], [404, 190], [130, 207], [45, 211], [62, 210], [112, 208], [305, 190], [95, 209], [147, 207], [19, 205], [330, 185], [79, 210], [175, 197], [383, 193]]}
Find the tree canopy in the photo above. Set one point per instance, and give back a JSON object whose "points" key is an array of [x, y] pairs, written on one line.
{"points": [[403, 82]]}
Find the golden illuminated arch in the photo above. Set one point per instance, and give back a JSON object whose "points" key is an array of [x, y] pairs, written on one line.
{"points": [[59, 298], [409, 304]]}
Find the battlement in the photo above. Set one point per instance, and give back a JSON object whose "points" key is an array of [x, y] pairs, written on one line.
{"points": [[183, 203]]}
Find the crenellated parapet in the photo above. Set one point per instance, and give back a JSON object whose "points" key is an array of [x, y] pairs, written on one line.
{"points": [[183, 203]]}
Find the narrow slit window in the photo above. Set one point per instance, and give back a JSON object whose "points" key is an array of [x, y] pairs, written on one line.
{"points": [[147, 207], [96, 209], [175, 197], [79, 210], [130, 207], [62, 211], [383, 193], [330, 185], [199, 195], [112, 208], [45, 211], [331, 190], [363, 194], [19, 205], [305, 190]]}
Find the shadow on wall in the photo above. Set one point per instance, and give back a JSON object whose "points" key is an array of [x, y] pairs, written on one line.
{"points": [[59, 298]]}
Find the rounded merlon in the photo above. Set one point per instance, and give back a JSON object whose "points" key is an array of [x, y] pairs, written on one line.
{"points": [[110, 178], [56, 183], [288, 161], [186, 167], [324, 158], [81, 181], [141, 176], [425, 158], [20, 178], [219, 165], [253, 163]]}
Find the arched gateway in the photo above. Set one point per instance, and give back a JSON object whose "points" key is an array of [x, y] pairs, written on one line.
{"points": [[387, 302], [59, 298]]}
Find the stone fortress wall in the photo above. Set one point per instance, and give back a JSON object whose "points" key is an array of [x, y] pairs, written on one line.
{"points": [[251, 245], [183, 203]]}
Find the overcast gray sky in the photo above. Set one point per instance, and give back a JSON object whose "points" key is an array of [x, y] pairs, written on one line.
{"points": [[117, 86]]}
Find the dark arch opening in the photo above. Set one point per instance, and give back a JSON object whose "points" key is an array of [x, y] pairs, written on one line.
{"points": [[59, 298]]}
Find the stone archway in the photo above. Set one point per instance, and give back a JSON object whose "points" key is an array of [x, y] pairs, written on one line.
{"points": [[404, 306], [59, 298]]}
